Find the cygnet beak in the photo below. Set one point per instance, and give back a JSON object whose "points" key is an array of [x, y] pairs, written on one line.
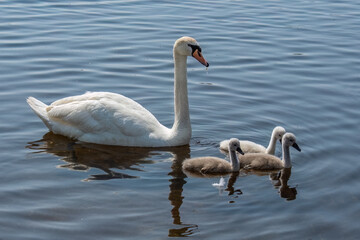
{"points": [[240, 151], [296, 147]]}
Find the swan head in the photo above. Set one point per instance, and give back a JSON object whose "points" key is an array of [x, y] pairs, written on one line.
{"points": [[278, 133], [289, 140], [234, 145], [188, 46]]}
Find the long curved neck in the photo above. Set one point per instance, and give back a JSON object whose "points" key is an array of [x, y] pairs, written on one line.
{"points": [[272, 144], [181, 104], [286, 155], [234, 161]]}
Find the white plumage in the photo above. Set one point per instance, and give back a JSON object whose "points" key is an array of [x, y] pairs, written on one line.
{"points": [[113, 119], [220, 184]]}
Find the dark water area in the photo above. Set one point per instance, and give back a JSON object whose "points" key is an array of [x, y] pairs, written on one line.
{"points": [[293, 64]]}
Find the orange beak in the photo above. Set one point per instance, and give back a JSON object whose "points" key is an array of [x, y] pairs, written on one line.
{"points": [[198, 56]]}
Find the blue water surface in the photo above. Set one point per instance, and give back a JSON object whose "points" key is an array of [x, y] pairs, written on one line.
{"points": [[290, 63]]}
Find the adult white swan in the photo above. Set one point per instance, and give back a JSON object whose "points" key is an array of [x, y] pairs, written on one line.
{"points": [[112, 119]]}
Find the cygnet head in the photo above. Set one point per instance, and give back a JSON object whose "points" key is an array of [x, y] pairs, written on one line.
{"points": [[289, 140], [188, 46], [279, 132], [234, 145]]}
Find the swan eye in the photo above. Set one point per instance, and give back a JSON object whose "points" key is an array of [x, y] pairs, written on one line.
{"points": [[194, 47]]}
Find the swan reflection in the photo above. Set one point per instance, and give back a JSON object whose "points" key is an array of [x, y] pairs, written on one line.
{"points": [[81, 156], [232, 177], [175, 195], [280, 181]]}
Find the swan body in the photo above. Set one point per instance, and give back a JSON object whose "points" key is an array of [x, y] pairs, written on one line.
{"points": [[113, 119], [251, 147], [213, 165], [264, 161]]}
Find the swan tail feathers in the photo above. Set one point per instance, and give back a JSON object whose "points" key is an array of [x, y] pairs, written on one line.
{"points": [[40, 109]]}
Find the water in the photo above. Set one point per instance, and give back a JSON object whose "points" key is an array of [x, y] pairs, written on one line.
{"points": [[294, 64]]}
